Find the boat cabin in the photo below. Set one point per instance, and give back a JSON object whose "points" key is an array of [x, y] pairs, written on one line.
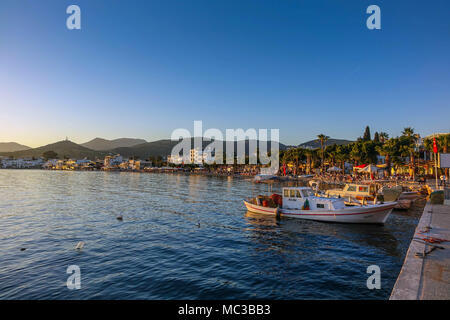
{"points": [[360, 189], [303, 198], [354, 190]]}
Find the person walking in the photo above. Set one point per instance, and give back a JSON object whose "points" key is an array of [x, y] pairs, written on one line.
{"points": [[443, 180]]}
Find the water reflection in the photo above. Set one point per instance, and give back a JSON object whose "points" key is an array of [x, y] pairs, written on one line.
{"points": [[182, 237], [266, 227]]}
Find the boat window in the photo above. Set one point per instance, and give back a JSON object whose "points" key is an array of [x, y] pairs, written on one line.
{"points": [[298, 194], [351, 188], [286, 193], [320, 205], [292, 193], [305, 193], [363, 189]]}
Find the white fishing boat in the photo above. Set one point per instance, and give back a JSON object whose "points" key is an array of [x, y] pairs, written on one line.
{"points": [[300, 202]]}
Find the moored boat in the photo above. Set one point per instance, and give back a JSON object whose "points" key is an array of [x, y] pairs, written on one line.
{"points": [[264, 177], [300, 202], [361, 192], [403, 204]]}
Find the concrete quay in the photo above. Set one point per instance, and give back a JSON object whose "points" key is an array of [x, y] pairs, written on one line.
{"points": [[425, 274]]}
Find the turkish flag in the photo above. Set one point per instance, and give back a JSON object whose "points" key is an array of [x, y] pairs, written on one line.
{"points": [[435, 149]]}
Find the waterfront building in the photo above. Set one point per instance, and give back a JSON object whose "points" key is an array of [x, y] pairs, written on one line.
{"points": [[196, 156], [22, 163], [113, 161], [50, 164]]}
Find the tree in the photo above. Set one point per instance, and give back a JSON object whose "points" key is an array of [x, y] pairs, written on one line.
{"points": [[410, 140], [311, 155], [390, 151], [322, 139], [369, 152], [364, 151], [356, 152], [376, 137], [343, 155], [366, 136], [444, 144], [383, 136], [293, 156], [50, 155], [331, 153]]}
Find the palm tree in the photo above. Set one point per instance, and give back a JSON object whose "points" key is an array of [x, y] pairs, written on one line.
{"points": [[388, 150], [322, 139], [311, 156], [355, 152], [342, 155], [293, 156], [331, 153], [444, 143], [412, 138]]}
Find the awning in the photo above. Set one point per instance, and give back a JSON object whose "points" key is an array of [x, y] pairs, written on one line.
{"points": [[369, 169]]}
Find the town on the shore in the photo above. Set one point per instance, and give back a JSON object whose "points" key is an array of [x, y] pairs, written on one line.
{"points": [[408, 156]]}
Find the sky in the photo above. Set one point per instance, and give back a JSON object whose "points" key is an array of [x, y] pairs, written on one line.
{"points": [[145, 68]]}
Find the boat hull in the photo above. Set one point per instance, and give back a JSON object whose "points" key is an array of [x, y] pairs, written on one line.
{"points": [[408, 196], [357, 214]]}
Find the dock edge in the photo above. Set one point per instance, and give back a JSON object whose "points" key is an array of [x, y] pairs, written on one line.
{"points": [[409, 281]]}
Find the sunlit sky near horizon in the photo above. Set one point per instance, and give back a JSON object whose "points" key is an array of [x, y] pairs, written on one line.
{"points": [[144, 68]]}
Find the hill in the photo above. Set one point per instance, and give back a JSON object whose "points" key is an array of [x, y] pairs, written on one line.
{"points": [[164, 148], [143, 151], [100, 144], [12, 147], [62, 148], [314, 144]]}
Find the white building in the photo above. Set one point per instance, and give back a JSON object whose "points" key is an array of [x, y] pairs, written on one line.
{"points": [[113, 161], [22, 163], [196, 156]]}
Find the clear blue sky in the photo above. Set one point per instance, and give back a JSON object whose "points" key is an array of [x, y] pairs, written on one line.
{"points": [[143, 68]]}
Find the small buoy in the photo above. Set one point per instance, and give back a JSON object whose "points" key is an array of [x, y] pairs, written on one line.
{"points": [[80, 245], [120, 218], [23, 249]]}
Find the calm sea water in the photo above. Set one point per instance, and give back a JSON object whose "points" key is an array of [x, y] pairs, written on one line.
{"points": [[182, 237]]}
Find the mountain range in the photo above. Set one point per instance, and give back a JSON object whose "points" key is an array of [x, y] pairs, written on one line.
{"points": [[70, 149], [63, 148], [98, 148], [314, 144], [100, 144], [12, 147]]}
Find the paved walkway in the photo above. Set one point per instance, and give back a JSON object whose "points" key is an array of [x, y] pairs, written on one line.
{"points": [[425, 274]]}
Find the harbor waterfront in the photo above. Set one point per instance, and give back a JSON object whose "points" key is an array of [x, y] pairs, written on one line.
{"points": [[181, 237]]}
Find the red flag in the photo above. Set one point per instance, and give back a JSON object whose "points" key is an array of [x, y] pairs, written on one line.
{"points": [[435, 149]]}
